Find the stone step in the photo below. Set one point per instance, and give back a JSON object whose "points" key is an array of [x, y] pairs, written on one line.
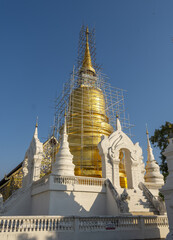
{"points": [[138, 203], [140, 206], [142, 209], [143, 213], [143, 203], [140, 200]]}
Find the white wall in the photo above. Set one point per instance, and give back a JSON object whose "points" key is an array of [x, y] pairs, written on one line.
{"points": [[49, 197], [19, 205], [40, 204], [67, 200]]}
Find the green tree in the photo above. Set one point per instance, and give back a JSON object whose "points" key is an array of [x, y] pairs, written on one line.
{"points": [[160, 140]]}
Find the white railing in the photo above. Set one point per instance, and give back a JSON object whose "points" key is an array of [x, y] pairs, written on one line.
{"points": [[156, 221], [32, 224], [119, 198], [82, 224], [108, 223], [156, 203], [79, 180]]}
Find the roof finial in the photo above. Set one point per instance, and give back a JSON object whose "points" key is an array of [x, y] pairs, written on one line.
{"points": [[118, 124], [36, 130], [87, 64], [36, 125], [147, 130], [148, 140]]}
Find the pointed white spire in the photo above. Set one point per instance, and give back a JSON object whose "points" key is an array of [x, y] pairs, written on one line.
{"points": [[153, 174], [36, 129], [32, 161], [65, 136], [118, 124], [149, 148], [63, 165]]}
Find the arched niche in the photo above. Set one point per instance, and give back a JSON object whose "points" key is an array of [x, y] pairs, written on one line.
{"points": [[125, 168], [109, 149]]}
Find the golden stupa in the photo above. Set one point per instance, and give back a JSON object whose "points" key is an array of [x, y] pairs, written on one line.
{"points": [[87, 120]]}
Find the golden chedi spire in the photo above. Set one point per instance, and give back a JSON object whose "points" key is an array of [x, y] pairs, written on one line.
{"points": [[87, 120], [87, 63]]}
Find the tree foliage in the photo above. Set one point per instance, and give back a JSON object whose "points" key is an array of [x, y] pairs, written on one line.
{"points": [[160, 140]]}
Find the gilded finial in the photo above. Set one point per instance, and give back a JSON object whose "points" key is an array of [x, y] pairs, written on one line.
{"points": [[118, 124], [147, 130], [36, 125], [87, 32], [87, 64]]}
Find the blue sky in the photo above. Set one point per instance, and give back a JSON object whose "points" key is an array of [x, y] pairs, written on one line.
{"points": [[38, 47]]}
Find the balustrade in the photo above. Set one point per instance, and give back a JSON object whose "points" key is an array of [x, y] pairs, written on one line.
{"points": [[160, 221], [53, 223], [79, 180], [157, 204], [30, 224]]}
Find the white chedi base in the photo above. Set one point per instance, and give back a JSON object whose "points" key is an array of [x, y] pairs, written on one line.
{"points": [[61, 167], [153, 174]]}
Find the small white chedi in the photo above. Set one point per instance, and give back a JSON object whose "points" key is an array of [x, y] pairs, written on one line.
{"points": [[153, 178], [63, 165]]}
